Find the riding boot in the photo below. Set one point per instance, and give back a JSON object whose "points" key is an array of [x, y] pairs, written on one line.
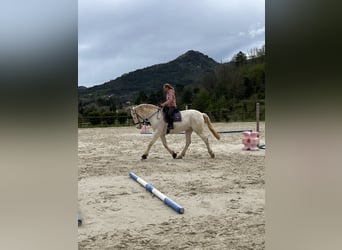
{"points": [[170, 125]]}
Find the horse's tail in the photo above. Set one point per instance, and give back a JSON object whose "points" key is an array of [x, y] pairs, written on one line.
{"points": [[210, 126]]}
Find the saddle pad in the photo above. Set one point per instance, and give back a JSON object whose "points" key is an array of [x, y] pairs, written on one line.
{"points": [[177, 117]]}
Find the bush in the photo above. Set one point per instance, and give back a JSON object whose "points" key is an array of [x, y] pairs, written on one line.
{"points": [[109, 117], [94, 118], [122, 117]]}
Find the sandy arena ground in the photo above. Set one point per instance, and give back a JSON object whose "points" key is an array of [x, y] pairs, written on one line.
{"points": [[223, 198]]}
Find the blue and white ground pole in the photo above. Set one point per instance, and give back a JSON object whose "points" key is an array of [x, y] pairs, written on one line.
{"points": [[160, 195]]}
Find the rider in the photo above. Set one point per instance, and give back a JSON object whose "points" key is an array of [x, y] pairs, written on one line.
{"points": [[169, 105]]}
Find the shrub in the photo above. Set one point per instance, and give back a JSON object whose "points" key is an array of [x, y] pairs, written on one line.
{"points": [[94, 118]]}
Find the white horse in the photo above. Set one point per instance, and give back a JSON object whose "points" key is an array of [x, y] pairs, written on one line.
{"points": [[192, 120]]}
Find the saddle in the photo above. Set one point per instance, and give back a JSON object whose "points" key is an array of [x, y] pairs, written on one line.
{"points": [[177, 117]]}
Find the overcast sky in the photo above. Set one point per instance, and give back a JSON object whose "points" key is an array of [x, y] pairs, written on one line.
{"points": [[120, 36]]}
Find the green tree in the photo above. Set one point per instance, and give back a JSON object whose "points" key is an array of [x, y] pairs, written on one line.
{"points": [[187, 96], [202, 100], [240, 58], [92, 107], [142, 98]]}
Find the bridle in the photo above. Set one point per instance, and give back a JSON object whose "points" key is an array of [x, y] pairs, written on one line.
{"points": [[142, 120]]}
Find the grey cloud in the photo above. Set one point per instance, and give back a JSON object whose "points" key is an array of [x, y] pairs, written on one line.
{"points": [[117, 37]]}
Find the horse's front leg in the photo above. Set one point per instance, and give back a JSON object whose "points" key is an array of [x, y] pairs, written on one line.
{"points": [[163, 139], [155, 137]]}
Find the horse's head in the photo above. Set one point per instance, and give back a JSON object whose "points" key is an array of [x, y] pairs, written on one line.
{"points": [[136, 118], [143, 113]]}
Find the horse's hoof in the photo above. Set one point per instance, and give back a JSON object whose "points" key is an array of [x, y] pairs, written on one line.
{"points": [[174, 155], [212, 155], [144, 157], [180, 157]]}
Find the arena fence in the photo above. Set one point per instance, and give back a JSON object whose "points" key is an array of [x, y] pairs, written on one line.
{"points": [[126, 120]]}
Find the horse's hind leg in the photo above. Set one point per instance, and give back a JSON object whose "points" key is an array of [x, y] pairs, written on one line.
{"points": [[163, 139], [206, 141], [187, 142]]}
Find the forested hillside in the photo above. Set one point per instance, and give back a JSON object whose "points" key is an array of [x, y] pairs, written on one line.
{"points": [[233, 87], [186, 69], [226, 91]]}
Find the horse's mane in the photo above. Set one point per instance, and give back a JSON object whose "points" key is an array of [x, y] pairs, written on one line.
{"points": [[147, 105], [146, 108]]}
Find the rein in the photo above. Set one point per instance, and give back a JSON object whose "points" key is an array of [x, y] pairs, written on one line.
{"points": [[144, 121]]}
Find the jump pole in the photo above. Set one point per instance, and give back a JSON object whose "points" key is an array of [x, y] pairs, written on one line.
{"points": [[257, 116], [261, 146], [234, 131], [160, 195], [79, 219], [227, 131]]}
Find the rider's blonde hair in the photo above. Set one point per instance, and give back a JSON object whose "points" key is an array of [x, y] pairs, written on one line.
{"points": [[167, 85]]}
